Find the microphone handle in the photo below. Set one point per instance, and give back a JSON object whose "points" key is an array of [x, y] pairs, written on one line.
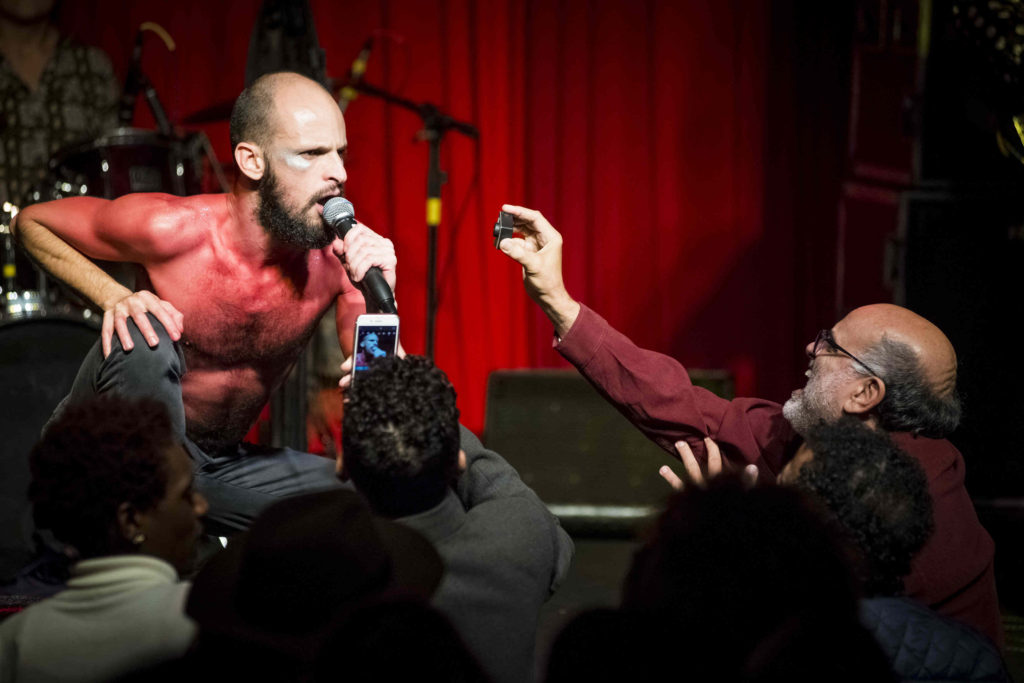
{"points": [[376, 288], [373, 284]]}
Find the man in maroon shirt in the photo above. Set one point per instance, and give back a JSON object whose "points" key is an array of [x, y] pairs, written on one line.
{"points": [[882, 364]]}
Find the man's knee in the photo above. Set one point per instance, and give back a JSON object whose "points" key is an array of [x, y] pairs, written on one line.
{"points": [[166, 358]]}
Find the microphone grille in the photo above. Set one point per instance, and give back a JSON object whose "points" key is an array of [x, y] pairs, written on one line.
{"points": [[338, 209]]}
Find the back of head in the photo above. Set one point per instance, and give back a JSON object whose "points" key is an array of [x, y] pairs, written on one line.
{"points": [[911, 403], [396, 640], [877, 493], [918, 364], [270, 598], [94, 457], [252, 113], [727, 560], [400, 435]]}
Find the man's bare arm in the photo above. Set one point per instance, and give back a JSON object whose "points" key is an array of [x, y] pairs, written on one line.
{"points": [[62, 235]]}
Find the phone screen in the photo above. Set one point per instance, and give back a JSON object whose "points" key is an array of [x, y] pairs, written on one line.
{"points": [[374, 341]]}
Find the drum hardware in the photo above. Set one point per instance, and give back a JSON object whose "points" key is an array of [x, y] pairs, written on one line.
{"points": [[136, 81]]}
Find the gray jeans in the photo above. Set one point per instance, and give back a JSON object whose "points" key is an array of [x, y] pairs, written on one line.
{"points": [[238, 484]]}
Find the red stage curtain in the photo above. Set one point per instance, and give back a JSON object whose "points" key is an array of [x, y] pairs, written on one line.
{"points": [[637, 127]]}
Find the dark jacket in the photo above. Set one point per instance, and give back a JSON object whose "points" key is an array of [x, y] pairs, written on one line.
{"points": [[922, 645]]}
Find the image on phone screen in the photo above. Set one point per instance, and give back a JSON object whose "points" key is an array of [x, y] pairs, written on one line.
{"points": [[373, 342]]}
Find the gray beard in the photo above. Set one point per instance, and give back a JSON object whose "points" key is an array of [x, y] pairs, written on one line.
{"points": [[814, 405], [800, 416], [286, 226]]}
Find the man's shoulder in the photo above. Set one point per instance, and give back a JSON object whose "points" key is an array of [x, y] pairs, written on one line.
{"points": [[923, 446], [516, 521], [938, 457], [179, 223], [161, 203]]}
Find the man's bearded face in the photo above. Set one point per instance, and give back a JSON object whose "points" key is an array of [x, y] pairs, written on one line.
{"points": [[301, 227], [819, 400]]}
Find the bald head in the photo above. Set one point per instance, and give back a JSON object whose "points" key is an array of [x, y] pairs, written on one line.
{"points": [[915, 361], [866, 327], [260, 108]]}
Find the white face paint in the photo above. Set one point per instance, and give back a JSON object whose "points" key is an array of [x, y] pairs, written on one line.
{"points": [[297, 161], [302, 117]]}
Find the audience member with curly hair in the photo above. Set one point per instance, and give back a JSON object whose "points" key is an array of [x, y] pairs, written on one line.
{"points": [[504, 551], [878, 497], [110, 480], [877, 493], [401, 436]]}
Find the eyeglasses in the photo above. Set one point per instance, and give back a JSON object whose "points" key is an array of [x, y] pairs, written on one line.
{"points": [[825, 338]]}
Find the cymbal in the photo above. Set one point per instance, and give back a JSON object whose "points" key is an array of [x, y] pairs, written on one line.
{"points": [[212, 114]]}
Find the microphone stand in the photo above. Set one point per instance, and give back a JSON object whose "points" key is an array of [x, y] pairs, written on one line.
{"points": [[435, 125]]}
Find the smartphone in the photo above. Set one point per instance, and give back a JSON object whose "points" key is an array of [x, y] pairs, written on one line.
{"points": [[376, 337]]}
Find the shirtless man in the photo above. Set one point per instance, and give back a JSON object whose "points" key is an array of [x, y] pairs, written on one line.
{"points": [[238, 280]]}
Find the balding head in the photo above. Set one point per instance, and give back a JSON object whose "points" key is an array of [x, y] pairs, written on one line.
{"points": [[914, 359], [866, 327], [257, 113]]}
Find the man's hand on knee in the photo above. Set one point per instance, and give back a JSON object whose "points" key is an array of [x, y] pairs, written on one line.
{"points": [[135, 306]]}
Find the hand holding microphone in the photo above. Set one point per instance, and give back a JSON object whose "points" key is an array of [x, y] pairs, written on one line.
{"points": [[340, 215]]}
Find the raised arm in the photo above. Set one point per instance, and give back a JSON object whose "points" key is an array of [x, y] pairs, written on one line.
{"points": [[62, 236], [651, 389]]}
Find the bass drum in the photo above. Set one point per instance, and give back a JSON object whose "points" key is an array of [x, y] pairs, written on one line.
{"points": [[39, 358]]}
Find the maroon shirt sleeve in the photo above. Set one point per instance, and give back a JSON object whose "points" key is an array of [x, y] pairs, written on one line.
{"points": [[654, 392]]}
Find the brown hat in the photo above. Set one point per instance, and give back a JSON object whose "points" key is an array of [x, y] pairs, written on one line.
{"points": [[302, 562]]}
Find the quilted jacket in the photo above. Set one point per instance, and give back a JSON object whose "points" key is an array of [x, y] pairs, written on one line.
{"points": [[922, 645]]}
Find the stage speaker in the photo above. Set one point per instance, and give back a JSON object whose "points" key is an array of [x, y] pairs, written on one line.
{"points": [[596, 471], [963, 269]]}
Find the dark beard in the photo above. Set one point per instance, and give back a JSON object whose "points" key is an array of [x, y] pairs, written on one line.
{"points": [[286, 226]]}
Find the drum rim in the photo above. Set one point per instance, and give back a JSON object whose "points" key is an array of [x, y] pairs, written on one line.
{"points": [[116, 137]]}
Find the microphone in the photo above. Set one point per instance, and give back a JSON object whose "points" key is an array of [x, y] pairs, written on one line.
{"points": [[341, 215], [355, 74]]}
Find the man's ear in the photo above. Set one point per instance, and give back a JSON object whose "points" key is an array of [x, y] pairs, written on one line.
{"points": [[250, 160], [462, 460], [127, 521], [868, 393]]}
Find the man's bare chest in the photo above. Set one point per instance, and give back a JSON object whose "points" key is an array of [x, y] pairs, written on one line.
{"points": [[246, 317]]}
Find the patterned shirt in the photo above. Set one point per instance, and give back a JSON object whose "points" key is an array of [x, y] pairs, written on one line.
{"points": [[76, 101]]}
